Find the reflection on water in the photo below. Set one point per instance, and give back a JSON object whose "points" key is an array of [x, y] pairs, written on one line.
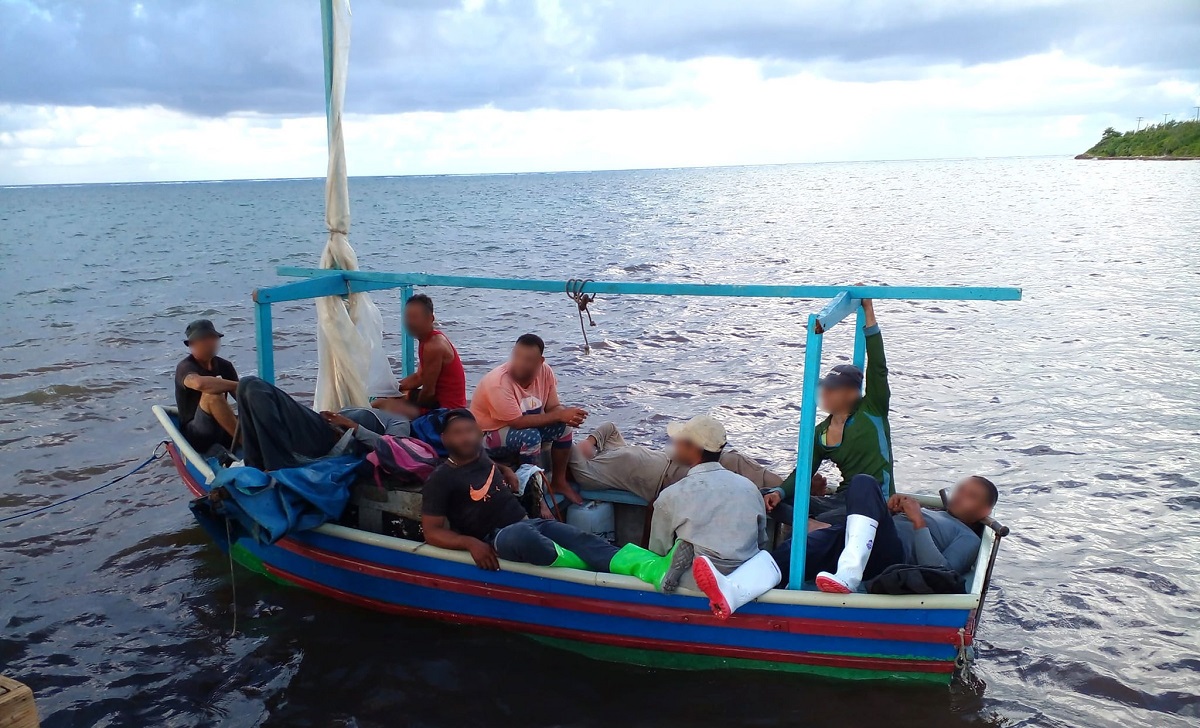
{"points": [[1079, 401]]}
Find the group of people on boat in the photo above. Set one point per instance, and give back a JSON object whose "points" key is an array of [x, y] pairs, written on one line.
{"points": [[711, 504]]}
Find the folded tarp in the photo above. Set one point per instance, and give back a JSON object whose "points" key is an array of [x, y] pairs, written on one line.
{"points": [[268, 506]]}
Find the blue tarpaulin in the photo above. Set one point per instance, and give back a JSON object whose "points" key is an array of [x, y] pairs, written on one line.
{"points": [[268, 506]]}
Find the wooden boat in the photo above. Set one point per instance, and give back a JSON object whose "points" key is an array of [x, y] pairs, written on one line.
{"points": [[603, 615], [621, 618]]}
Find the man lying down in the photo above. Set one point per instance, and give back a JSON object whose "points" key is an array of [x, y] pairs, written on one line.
{"points": [[880, 533], [604, 461], [279, 432]]}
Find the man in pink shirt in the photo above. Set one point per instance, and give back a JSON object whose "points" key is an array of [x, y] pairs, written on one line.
{"points": [[517, 406]]}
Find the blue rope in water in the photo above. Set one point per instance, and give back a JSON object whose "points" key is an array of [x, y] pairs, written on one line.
{"points": [[159, 451]]}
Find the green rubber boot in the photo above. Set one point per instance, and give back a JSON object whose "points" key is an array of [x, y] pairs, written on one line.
{"points": [[661, 572], [568, 560]]}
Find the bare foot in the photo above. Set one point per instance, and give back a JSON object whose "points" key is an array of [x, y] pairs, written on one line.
{"points": [[562, 488]]}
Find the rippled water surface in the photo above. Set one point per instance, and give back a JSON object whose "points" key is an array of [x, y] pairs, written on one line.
{"points": [[1081, 401]]}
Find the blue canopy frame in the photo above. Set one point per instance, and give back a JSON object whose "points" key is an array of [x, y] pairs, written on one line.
{"points": [[844, 301]]}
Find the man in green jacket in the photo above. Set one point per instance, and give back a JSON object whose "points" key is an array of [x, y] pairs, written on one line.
{"points": [[856, 435]]}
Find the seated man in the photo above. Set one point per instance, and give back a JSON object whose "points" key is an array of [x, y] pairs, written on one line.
{"points": [[279, 432], [839, 558], [603, 461], [470, 504], [518, 408], [203, 383], [439, 380], [720, 514]]}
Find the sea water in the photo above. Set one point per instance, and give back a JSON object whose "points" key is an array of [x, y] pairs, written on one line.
{"points": [[1080, 401]]}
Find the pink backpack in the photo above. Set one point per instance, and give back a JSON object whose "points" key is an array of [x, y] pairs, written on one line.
{"points": [[405, 459]]}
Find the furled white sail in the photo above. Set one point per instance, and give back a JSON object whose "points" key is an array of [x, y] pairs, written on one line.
{"points": [[352, 363]]}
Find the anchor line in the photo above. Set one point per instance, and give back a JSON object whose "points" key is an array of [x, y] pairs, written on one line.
{"points": [[232, 575], [159, 451]]}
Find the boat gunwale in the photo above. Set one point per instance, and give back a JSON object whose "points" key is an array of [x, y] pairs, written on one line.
{"points": [[787, 597]]}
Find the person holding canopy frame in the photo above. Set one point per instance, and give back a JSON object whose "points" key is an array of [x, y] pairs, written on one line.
{"points": [[855, 435]]}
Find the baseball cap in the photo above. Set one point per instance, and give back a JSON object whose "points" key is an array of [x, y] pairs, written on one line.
{"points": [[200, 329], [454, 414], [702, 431], [843, 375]]}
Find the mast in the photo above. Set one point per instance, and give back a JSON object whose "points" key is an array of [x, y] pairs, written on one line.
{"points": [[351, 361]]}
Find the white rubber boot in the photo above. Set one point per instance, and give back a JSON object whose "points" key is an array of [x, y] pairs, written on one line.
{"points": [[726, 594], [860, 539]]}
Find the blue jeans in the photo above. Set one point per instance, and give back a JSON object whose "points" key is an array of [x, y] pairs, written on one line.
{"points": [[864, 497], [532, 542], [829, 509]]}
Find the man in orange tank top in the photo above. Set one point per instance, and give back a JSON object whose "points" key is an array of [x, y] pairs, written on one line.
{"points": [[439, 380]]}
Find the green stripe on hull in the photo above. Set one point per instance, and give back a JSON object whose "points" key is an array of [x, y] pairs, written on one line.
{"points": [[244, 557], [684, 661]]}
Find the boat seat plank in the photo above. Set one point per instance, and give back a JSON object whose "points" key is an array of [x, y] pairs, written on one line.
{"points": [[613, 496]]}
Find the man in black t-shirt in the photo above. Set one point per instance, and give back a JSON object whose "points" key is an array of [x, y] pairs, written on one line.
{"points": [[203, 383], [470, 504]]}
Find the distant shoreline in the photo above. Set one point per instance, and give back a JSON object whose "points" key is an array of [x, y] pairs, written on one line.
{"points": [[1162, 158], [1166, 142]]}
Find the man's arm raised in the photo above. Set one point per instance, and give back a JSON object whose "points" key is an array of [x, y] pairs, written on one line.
{"points": [[878, 393]]}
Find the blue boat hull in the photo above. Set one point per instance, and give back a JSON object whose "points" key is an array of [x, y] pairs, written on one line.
{"points": [[600, 615]]}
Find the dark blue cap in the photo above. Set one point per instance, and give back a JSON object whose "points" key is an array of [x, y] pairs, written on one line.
{"points": [[843, 375], [455, 414]]}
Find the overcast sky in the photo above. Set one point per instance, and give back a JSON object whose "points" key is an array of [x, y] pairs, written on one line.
{"points": [[112, 90]]}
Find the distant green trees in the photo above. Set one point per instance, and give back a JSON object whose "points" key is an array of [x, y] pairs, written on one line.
{"points": [[1172, 139]]}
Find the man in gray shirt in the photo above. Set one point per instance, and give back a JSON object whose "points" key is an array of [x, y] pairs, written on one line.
{"points": [[604, 461], [879, 534], [720, 514]]}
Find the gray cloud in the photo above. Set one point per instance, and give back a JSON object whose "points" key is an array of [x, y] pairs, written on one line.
{"points": [[211, 58], [922, 33]]}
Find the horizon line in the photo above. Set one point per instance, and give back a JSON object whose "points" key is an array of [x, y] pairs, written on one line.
{"points": [[415, 175]]}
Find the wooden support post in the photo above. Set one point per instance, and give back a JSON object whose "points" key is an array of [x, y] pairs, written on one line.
{"points": [[16, 705], [804, 451], [264, 340], [407, 356]]}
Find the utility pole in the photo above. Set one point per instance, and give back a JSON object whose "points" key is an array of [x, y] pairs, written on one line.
{"points": [[1165, 118], [1139, 123], [1198, 113]]}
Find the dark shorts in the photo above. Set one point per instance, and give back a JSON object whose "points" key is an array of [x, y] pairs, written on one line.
{"points": [[203, 432]]}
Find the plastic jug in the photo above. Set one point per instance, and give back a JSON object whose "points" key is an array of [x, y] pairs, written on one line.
{"points": [[594, 517]]}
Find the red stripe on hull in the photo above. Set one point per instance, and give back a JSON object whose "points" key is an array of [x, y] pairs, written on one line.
{"points": [[186, 474], [791, 625], [909, 633], [872, 664]]}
